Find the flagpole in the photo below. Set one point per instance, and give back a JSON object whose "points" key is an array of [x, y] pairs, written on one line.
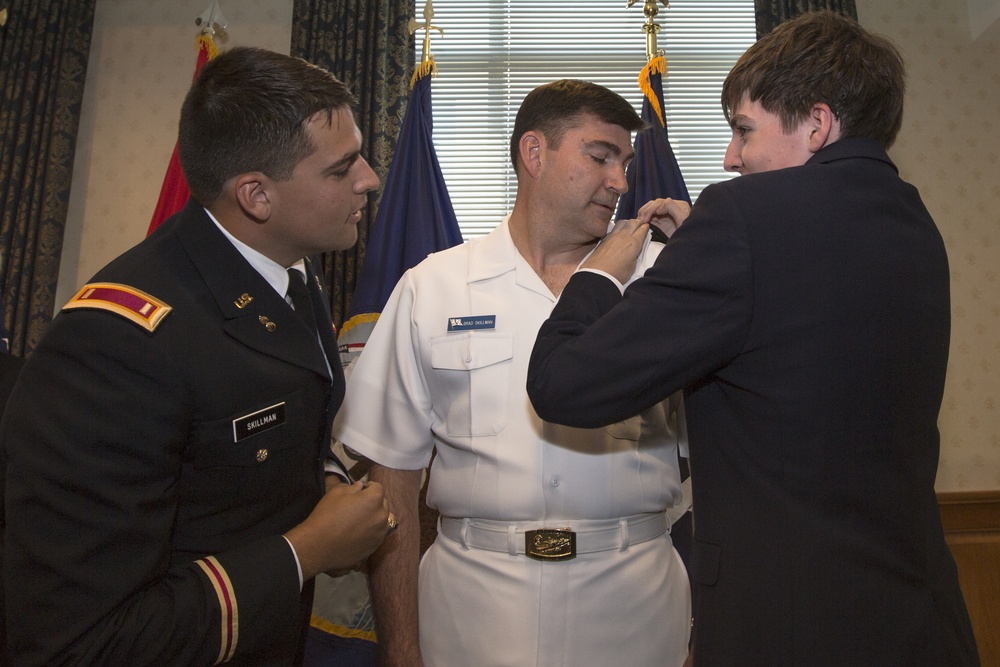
{"points": [[650, 27]]}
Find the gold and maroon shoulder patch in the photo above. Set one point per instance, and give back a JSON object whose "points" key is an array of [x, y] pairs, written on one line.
{"points": [[130, 303]]}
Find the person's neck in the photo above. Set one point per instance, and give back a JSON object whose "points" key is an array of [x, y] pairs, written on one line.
{"points": [[536, 239], [253, 233]]}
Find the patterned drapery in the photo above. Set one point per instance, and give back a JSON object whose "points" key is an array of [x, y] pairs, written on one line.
{"points": [[43, 65], [366, 44], [770, 13]]}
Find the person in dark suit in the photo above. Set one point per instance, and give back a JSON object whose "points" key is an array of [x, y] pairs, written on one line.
{"points": [[804, 309], [167, 439]]}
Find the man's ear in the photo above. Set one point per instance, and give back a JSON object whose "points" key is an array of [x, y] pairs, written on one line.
{"points": [[530, 147], [824, 128], [253, 194]]}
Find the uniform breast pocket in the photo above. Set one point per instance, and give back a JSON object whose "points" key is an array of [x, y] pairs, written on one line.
{"points": [[251, 473], [252, 437], [473, 370]]}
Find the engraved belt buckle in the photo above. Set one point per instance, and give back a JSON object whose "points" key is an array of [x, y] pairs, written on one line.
{"points": [[550, 544]]}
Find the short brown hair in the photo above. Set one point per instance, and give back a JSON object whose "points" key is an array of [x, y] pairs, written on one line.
{"points": [[823, 57], [555, 107], [247, 111]]}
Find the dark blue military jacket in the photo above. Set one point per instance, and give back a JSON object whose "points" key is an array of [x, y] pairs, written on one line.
{"points": [[170, 426]]}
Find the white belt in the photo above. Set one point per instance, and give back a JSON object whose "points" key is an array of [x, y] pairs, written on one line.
{"points": [[548, 541]]}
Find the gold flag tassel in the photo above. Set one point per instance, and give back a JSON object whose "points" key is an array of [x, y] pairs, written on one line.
{"points": [[212, 23], [657, 65], [205, 41], [423, 69]]}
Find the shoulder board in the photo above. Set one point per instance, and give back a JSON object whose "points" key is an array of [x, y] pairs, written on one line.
{"points": [[130, 303]]}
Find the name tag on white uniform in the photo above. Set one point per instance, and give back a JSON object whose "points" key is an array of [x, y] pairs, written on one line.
{"points": [[472, 322]]}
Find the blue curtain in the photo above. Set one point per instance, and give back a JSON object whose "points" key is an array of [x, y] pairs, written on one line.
{"points": [[366, 44]]}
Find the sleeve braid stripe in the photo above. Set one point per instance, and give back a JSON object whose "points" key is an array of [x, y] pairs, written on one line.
{"points": [[227, 604]]}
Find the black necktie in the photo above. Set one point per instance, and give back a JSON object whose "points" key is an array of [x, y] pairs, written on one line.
{"points": [[299, 294]]}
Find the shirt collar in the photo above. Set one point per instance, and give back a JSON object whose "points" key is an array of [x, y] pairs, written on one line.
{"points": [[275, 274], [492, 254]]}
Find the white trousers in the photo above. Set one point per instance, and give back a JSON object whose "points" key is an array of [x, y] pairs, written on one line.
{"points": [[488, 609]]}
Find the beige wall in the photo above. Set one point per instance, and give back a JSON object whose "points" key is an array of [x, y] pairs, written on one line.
{"points": [[141, 61], [143, 57], [949, 147]]}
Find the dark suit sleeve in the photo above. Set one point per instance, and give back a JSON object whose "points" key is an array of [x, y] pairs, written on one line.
{"points": [[95, 439], [601, 358]]}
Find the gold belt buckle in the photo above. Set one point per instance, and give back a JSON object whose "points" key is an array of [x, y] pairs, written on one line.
{"points": [[550, 544]]}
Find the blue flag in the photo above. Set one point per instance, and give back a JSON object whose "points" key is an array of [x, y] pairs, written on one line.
{"points": [[653, 173], [414, 219]]}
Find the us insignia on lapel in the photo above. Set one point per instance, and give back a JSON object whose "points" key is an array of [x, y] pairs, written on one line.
{"points": [[130, 303]]}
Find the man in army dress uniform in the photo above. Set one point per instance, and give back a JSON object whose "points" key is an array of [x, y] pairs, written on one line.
{"points": [[166, 495]]}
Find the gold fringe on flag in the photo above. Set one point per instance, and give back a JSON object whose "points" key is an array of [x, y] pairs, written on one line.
{"points": [[657, 65], [206, 42], [364, 318], [423, 69], [340, 631]]}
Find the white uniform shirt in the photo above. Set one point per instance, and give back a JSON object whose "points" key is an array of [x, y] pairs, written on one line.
{"points": [[419, 385]]}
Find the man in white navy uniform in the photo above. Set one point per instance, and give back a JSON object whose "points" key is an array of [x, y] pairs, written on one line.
{"points": [[553, 544], [166, 501]]}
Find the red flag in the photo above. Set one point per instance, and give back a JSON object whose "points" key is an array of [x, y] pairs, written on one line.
{"points": [[174, 192]]}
